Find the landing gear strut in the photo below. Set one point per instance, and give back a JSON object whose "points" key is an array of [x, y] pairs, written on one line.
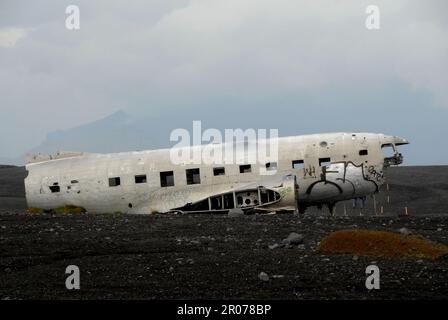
{"points": [[331, 207]]}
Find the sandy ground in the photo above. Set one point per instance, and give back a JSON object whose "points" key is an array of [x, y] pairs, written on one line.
{"points": [[205, 257]]}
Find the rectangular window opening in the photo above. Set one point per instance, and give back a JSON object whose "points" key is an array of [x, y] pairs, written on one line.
{"points": [[115, 181], [245, 168], [141, 178], [271, 166], [363, 152], [219, 171], [167, 178], [193, 176], [324, 162], [297, 164]]}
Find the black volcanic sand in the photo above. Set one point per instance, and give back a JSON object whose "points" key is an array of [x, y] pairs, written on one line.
{"points": [[12, 188], [205, 256], [159, 257]]}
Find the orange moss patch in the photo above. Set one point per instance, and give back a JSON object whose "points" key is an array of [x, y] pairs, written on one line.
{"points": [[60, 210], [380, 244], [34, 210], [68, 209]]}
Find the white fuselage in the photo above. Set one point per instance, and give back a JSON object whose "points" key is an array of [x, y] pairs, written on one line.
{"points": [[355, 170]]}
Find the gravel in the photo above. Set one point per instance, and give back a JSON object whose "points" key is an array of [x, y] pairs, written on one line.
{"points": [[170, 257]]}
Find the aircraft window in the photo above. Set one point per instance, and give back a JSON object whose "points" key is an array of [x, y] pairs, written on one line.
{"points": [[74, 181], [297, 164], [388, 150], [55, 188], [363, 152], [113, 182], [167, 179], [324, 162], [245, 168], [271, 166], [193, 176], [219, 171], [140, 178]]}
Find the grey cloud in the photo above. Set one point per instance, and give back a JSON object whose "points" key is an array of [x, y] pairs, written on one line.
{"points": [[165, 59]]}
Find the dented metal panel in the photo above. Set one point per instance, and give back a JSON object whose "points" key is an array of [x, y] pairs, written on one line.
{"points": [[356, 169]]}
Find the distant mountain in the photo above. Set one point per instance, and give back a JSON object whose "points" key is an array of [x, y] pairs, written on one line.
{"points": [[115, 133], [123, 132], [110, 134]]}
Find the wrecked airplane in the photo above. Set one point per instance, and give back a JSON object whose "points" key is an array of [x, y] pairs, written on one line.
{"points": [[312, 170]]}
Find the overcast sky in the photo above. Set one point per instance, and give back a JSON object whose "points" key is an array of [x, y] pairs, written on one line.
{"points": [[288, 57]]}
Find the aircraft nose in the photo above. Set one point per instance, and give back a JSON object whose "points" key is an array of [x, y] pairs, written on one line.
{"points": [[400, 141], [394, 140]]}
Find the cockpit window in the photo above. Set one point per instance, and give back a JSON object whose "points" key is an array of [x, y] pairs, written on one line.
{"points": [[391, 155], [388, 150]]}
